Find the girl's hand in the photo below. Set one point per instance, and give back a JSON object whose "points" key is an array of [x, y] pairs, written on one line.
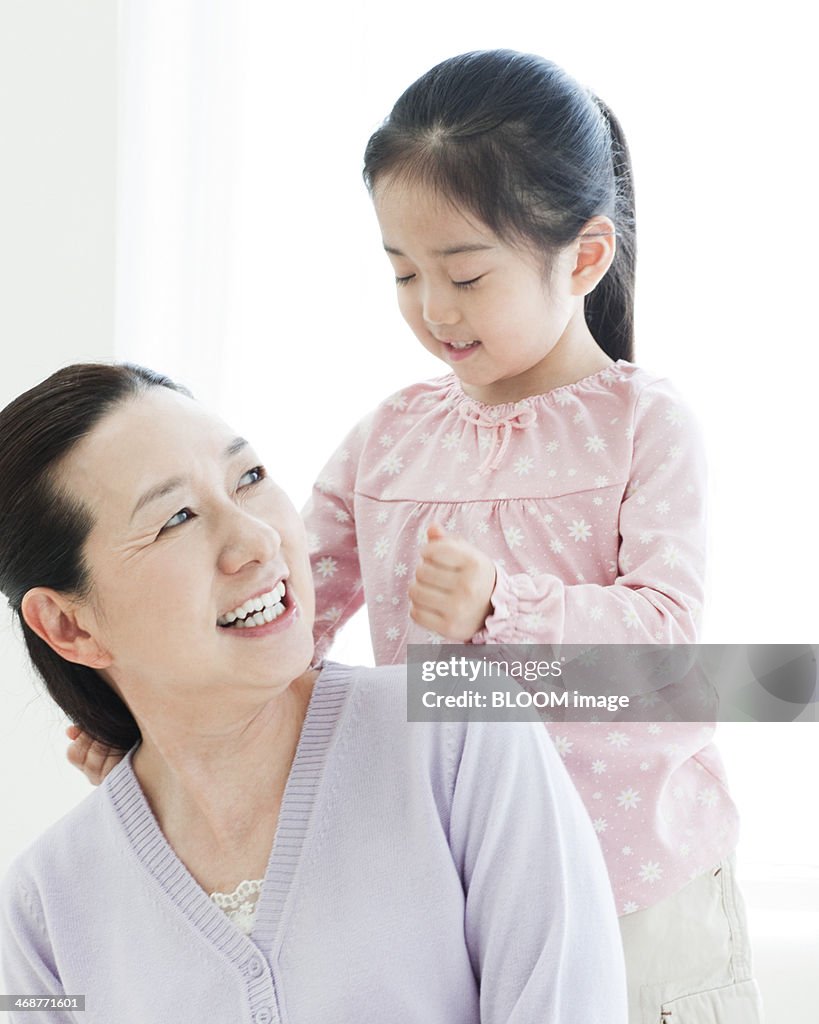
{"points": [[93, 759], [452, 586]]}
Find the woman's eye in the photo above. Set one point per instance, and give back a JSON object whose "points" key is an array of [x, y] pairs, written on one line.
{"points": [[404, 280], [467, 284], [252, 476], [182, 516]]}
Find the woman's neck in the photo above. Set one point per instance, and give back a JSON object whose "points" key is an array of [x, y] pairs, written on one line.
{"points": [[216, 793]]}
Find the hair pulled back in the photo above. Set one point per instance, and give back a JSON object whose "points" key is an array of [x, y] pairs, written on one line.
{"points": [[516, 141], [43, 530]]}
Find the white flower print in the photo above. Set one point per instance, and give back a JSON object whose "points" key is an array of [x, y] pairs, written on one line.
{"points": [[450, 440], [386, 441], [440, 487], [685, 849], [461, 457], [423, 438], [631, 619], [564, 397], [628, 798], [597, 500], [313, 543], [393, 633], [400, 569], [548, 518], [674, 416], [626, 851], [601, 481], [482, 527], [398, 402], [600, 825], [577, 418], [654, 729], [381, 516], [580, 530], [326, 567], [484, 441], [618, 740], [675, 451], [551, 447], [595, 444], [342, 515], [381, 547], [524, 465], [572, 471], [331, 614], [598, 767], [707, 797], [596, 613], [672, 556], [514, 536], [629, 907], [651, 872], [534, 620], [644, 766], [625, 561], [646, 536], [641, 499], [556, 545], [563, 745], [393, 464], [451, 524], [662, 508]]}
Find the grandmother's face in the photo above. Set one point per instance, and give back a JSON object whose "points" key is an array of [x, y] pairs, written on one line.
{"points": [[198, 561]]}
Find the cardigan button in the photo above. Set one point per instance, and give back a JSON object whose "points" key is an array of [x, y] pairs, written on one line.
{"points": [[263, 1016], [254, 967]]}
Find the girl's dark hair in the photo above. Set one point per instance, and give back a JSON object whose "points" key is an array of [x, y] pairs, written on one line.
{"points": [[515, 140], [43, 530]]}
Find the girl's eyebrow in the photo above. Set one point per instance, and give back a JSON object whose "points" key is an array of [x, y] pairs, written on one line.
{"points": [[451, 250], [161, 490]]}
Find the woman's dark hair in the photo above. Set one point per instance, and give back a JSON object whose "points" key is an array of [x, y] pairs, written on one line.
{"points": [[43, 530], [515, 140]]}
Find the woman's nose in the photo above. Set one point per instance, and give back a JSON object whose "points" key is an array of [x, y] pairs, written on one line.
{"points": [[248, 540]]}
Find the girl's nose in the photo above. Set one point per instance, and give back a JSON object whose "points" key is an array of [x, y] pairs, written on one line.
{"points": [[439, 309], [248, 540]]}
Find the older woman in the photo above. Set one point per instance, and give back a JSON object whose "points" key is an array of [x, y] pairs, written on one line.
{"points": [[386, 871]]}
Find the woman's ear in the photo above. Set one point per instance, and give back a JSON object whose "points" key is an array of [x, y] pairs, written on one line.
{"points": [[595, 248], [53, 617]]}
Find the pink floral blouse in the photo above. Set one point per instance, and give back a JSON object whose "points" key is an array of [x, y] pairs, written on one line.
{"points": [[590, 500]]}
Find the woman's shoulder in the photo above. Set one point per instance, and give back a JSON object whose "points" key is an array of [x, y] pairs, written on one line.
{"points": [[54, 858]]}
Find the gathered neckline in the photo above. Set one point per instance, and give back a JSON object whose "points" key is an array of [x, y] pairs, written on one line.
{"points": [[502, 410]]}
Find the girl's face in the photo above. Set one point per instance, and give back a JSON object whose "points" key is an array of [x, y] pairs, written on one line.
{"points": [[482, 306], [188, 528]]}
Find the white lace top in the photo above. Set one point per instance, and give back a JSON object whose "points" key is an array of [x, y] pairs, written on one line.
{"points": [[240, 905]]}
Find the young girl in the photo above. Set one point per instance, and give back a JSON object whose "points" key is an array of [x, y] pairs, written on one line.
{"points": [[545, 489]]}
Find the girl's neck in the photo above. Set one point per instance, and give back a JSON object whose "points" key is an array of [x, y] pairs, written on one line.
{"points": [[576, 355]]}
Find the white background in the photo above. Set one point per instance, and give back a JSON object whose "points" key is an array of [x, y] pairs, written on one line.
{"points": [[215, 167]]}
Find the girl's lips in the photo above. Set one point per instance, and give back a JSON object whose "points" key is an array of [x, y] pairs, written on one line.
{"points": [[457, 354]]}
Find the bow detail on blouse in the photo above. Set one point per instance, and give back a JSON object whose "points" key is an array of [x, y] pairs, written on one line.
{"points": [[519, 417]]}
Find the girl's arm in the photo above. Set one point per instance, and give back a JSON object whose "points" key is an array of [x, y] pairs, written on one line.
{"points": [[540, 922], [329, 517], [657, 594]]}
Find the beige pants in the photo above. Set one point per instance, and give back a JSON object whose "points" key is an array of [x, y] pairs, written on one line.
{"points": [[688, 959]]}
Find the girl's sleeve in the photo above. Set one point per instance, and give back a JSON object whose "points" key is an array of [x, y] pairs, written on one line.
{"points": [[329, 517], [540, 922], [656, 596], [26, 958]]}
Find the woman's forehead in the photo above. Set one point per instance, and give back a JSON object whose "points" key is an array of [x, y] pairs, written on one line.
{"points": [[150, 434]]}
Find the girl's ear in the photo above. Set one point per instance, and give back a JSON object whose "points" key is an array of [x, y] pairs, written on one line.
{"points": [[594, 248], [53, 617]]}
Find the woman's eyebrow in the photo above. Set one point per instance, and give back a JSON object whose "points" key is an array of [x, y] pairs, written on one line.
{"points": [[175, 482]]}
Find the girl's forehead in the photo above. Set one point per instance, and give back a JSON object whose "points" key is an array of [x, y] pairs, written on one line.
{"points": [[414, 208]]}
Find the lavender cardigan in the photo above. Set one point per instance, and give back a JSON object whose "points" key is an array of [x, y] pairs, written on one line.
{"points": [[429, 873]]}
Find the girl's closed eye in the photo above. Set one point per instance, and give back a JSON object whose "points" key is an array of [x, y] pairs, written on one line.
{"points": [[467, 284], [404, 280]]}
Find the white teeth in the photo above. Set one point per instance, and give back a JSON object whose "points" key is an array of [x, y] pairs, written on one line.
{"points": [[462, 344], [257, 610]]}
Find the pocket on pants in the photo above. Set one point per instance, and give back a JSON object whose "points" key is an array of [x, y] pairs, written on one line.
{"points": [[731, 1004]]}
